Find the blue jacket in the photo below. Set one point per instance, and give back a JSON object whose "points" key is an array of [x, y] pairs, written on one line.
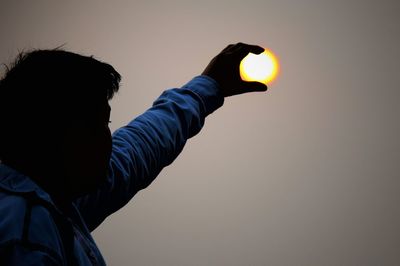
{"points": [[33, 231]]}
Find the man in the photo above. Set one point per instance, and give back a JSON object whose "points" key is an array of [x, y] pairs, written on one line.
{"points": [[63, 173]]}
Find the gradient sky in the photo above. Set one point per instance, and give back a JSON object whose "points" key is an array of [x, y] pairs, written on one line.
{"points": [[305, 174]]}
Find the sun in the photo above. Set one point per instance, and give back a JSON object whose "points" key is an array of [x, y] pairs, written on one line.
{"points": [[263, 67]]}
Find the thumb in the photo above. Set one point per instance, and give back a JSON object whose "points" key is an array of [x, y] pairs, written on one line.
{"points": [[254, 86]]}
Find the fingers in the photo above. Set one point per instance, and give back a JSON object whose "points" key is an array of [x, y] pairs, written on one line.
{"points": [[242, 49]]}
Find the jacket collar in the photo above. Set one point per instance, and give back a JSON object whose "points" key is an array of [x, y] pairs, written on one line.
{"points": [[15, 182]]}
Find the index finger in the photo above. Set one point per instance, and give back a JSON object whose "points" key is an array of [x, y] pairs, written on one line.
{"points": [[243, 49]]}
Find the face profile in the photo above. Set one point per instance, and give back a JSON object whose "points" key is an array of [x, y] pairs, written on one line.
{"points": [[64, 141], [86, 151]]}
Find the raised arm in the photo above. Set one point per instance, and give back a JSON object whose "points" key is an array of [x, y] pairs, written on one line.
{"points": [[153, 140], [150, 142]]}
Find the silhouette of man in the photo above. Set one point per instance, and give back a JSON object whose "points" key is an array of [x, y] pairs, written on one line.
{"points": [[62, 172]]}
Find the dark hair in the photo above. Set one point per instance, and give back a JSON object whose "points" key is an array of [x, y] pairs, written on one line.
{"points": [[44, 87]]}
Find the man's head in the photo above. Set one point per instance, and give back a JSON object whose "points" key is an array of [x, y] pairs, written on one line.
{"points": [[54, 117]]}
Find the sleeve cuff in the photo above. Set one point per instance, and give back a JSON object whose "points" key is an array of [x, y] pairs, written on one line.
{"points": [[208, 90]]}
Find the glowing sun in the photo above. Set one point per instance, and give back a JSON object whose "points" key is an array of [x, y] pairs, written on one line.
{"points": [[263, 67]]}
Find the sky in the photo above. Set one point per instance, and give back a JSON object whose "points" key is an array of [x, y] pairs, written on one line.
{"points": [[304, 174]]}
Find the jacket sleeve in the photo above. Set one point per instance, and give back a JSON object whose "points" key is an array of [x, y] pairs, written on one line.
{"points": [[150, 142]]}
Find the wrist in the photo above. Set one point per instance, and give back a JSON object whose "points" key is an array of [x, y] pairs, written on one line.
{"points": [[208, 90]]}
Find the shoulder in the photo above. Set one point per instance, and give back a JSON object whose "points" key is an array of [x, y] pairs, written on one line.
{"points": [[13, 210], [25, 227]]}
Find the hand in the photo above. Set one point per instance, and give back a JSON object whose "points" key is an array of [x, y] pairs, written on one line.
{"points": [[224, 68]]}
